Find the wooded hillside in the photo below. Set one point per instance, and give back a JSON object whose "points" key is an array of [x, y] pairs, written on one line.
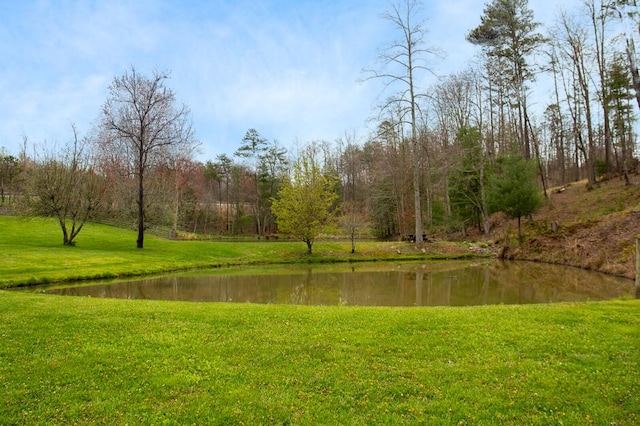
{"points": [[593, 229]]}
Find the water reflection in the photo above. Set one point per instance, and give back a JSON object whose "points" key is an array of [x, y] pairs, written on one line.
{"points": [[431, 284]]}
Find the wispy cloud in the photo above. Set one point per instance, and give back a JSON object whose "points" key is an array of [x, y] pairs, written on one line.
{"points": [[288, 68]]}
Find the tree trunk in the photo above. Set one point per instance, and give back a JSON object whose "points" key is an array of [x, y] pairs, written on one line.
{"points": [[417, 200], [65, 233], [637, 268], [228, 225], [633, 68], [176, 207], [599, 35], [353, 240], [536, 147], [140, 240], [309, 246], [582, 77]]}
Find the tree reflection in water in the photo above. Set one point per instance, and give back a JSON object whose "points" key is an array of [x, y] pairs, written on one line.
{"points": [[379, 284]]}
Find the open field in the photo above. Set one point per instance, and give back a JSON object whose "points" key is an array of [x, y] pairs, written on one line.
{"points": [[66, 360], [69, 360], [32, 253]]}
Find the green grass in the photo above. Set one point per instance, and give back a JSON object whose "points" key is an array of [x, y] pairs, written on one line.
{"points": [[66, 360], [32, 253]]}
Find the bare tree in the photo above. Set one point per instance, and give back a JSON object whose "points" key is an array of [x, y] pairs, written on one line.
{"points": [[401, 63], [352, 220], [143, 125], [599, 15], [64, 184], [576, 49], [10, 168]]}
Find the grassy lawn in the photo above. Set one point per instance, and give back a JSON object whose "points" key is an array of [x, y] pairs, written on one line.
{"points": [[32, 253], [71, 360], [66, 360]]}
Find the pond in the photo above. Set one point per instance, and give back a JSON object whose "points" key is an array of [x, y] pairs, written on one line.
{"points": [[372, 284]]}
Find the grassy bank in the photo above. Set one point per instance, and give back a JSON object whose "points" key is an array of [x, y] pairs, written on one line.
{"points": [[67, 360], [32, 253]]}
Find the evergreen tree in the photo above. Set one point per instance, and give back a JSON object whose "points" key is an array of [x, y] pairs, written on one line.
{"points": [[507, 33], [513, 189], [252, 149], [468, 180], [619, 97]]}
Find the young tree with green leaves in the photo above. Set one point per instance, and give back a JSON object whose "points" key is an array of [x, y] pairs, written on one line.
{"points": [[513, 189], [305, 203]]}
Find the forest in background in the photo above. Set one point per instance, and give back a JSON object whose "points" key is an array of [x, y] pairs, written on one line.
{"points": [[442, 158]]}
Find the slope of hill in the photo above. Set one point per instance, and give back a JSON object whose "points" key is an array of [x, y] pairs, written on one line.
{"points": [[589, 228]]}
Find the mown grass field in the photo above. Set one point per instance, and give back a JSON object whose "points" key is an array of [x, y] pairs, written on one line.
{"points": [[66, 360]]}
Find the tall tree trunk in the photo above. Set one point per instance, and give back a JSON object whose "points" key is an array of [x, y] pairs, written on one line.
{"points": [[176, 207], [417, 198], [633, 68], [599, 36], [140, 240], [584, 85], [483, 200], [538, 159], [561, 153]]}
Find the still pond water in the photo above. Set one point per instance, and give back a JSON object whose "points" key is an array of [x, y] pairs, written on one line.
{"points": [[378, 284]]}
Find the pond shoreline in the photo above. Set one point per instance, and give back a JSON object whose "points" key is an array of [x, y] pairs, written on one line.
{"points": [[33, 254], [34, 257], [384, 284]]}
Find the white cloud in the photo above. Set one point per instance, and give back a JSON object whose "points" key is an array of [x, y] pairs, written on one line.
{"points": [[289, 68]]}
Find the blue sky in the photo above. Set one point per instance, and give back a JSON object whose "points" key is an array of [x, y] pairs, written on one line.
{"points": [[289, 69]]}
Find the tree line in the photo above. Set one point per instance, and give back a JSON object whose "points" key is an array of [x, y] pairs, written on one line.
{"points": [[442, 158]]}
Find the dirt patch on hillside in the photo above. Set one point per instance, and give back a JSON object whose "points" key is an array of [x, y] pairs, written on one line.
{"points": [[588, 228]]}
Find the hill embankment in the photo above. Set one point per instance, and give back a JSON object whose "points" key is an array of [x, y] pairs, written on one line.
{"points": [[593, 228]]}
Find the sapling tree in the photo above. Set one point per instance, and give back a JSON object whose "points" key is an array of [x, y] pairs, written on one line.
{"points": [[513, 189], [305, 203]]}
